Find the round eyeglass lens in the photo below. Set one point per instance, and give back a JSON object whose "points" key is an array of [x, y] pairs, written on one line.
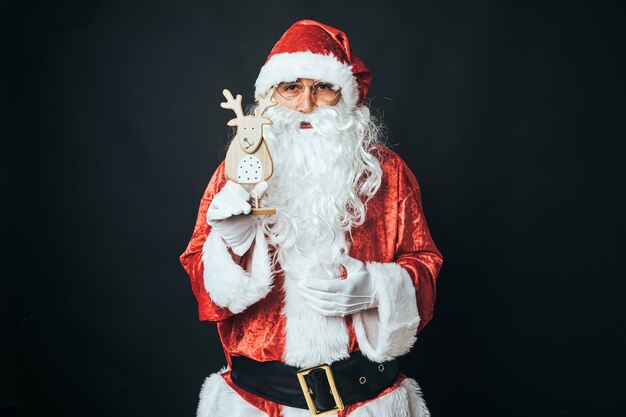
{"points": [[325, 91], [322, 91], [290, 91]]}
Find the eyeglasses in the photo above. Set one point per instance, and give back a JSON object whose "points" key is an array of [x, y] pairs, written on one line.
{"points": [[322, 91]]}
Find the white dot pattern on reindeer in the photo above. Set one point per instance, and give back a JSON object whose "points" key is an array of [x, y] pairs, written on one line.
{"points": [[249, 170]]}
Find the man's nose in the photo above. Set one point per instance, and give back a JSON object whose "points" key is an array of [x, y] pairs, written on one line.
{"points": [[306, 104]]}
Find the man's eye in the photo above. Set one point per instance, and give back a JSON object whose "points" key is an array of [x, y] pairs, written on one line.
{"points": [[291, 87]]}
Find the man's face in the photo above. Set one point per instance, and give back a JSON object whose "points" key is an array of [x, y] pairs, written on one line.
{"points": [[305, 95]]}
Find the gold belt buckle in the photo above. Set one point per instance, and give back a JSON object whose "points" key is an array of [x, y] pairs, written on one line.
{"points": [[307, 391]]}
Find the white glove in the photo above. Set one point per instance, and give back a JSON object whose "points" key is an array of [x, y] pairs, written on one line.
{"points": [[340, 297], [229, 216]]}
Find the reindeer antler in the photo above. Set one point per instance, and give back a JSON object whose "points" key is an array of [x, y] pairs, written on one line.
{"points": [[232, 103], [265, 102]]}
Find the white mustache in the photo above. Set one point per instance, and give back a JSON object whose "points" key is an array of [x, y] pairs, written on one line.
{"points": [[325, 120]]}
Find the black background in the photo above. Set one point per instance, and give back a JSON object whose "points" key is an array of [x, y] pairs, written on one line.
{"points": [[508, 113]]}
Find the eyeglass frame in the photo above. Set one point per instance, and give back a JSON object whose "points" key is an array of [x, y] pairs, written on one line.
{"points": [[312, 87]]}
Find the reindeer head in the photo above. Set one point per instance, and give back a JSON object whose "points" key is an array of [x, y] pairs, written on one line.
{"points": [[249, 128]]}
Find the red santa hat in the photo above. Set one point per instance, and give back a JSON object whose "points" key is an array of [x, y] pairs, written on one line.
{"points": [[309, 49]]}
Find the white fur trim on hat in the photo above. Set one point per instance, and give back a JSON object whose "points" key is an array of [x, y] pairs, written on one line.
{"points": [[288, 67]]}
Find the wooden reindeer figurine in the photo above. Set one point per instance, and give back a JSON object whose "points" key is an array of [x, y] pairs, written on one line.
{"points": [[248, 160]]}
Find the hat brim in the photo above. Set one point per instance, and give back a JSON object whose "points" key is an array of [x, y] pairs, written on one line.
{"points": [[288, 67]]}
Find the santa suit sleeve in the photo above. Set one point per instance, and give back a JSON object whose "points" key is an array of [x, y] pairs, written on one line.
{"points": [[405, 287], [221, 286]]}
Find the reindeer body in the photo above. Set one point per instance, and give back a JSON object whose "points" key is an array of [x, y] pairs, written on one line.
{"points": [[248, 160], [246, 168]]}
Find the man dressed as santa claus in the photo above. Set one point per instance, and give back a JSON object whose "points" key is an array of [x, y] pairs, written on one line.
{"points": [[314, 304]]}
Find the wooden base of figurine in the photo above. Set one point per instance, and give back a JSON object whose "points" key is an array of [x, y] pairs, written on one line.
{"points": [[263, 211]]}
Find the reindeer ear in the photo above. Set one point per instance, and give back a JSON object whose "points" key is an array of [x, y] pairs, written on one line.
{"points": [[267, 121], [232, 122]]}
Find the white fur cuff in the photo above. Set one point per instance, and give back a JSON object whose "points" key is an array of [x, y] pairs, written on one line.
{"points": [[227, 283], [388, 331]]}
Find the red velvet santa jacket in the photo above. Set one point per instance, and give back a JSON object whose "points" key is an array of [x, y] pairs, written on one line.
{"points": [[259, 316]]}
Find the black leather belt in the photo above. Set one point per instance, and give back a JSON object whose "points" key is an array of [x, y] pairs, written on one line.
{"points": [[322, 389]]}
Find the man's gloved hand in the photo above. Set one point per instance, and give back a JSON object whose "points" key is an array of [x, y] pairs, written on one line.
{"points": [[229, 216], [340, 297]]}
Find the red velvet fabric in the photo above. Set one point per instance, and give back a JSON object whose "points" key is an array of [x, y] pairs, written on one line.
{"points": [[395, 230]]}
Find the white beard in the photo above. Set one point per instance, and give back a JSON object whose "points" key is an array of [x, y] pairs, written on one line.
{"points": [[321, 177]]}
